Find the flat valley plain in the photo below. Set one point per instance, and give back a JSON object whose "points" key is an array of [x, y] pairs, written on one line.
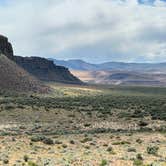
{"points": [[84, 126]]}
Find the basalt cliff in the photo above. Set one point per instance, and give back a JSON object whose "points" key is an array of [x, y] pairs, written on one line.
{"points": [[28, 73]]}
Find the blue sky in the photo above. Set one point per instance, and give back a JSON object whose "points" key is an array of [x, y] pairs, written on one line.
{"points": [[92, 30]]}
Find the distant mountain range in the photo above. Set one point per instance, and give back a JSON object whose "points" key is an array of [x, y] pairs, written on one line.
{"points": [[109, 66], [118, 73], [45, 70]]}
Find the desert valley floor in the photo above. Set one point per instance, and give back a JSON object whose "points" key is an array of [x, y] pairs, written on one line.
{"points": [[84, 126]]}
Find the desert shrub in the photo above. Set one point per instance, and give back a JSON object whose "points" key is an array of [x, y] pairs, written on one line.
{"points": [[139, 156], [109, 149], [139, 140], [26, 158], [124, 115], [137, 162], [152, 150], [143, 123], [138, 114], [87, 125], [45, 140], [131, 149], [9, 107], [72, 142], [5, 161], [87, 139], [103, 162], [121, 143], [57, 142], [31, 163], [87, 147], [48, 141], [37, 138], [64, 146]]}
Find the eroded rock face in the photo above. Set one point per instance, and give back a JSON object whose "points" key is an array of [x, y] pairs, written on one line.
{"points": [[6, 47], [46, 70], [41, 68]]}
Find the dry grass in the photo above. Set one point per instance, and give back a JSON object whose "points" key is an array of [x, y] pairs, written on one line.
{"points": [[88, 153], [83, 133]]}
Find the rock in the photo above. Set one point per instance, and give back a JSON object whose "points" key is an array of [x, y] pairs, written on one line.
{"points": [[14, 78], [6, 47], [46, 70], [41, 68]]}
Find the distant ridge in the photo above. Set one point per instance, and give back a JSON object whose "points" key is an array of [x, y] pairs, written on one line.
{"points": [[118, 73], [76, 64]]}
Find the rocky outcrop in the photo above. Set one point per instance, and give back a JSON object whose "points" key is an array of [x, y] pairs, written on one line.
{"points": [[6, 47], [41, 68], [46, 70]]}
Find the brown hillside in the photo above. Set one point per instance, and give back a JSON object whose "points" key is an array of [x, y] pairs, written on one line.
{"points": [[13, 77]]}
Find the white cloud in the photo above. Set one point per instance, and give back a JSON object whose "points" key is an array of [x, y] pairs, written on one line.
{"points": [[160, 3], [125, 29]]}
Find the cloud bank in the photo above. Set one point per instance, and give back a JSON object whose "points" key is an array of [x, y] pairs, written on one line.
{"points": [[95, 30]]}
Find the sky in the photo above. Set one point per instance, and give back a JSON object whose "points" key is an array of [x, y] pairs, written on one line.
{"points": [[92, 30]]}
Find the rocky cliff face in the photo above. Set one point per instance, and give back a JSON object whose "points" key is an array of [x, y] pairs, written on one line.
{"points": [[46, 70], [6, 47], [41, 68]]}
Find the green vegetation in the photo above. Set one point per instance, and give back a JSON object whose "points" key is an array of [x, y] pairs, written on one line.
{"points": [[98, 125], [138, 162], [103, 163], [42, 138], [136, 102], [26, 158], [152, 150], [30, 163]]}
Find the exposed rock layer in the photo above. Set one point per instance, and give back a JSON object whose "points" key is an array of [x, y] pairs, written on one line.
{"points": [[6, 47], [46, 70], [41, 68]]}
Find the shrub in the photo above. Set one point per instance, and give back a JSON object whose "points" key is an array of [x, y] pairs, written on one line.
{"points": [[9, 107], [138, 162], [139, 140], [30, 163], [5, 161], [110, 149], [26, 158], [152, 150], [139, 156], [87, 125], [131, 150], [103, 162], [72, 142], [121, 143], [37, 138], [64, 146], [44, 139], [87, 139], [48, 141], [58, 142], [143, 123]]}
